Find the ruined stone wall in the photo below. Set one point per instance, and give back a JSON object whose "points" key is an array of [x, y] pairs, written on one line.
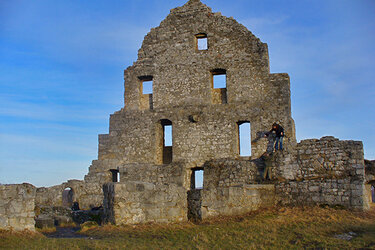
{"points": [[370, 171], [214, 135], [229, 188], [17, 206], [228, 172], [183, 87], [205, 130], [205, 134], [370, 181], [172, 47], [147, 193], [325, 171], [87, 194], [194, 197]]}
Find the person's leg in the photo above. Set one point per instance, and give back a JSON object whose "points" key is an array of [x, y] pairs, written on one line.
{"points": [[277, 143], [281, 143]]}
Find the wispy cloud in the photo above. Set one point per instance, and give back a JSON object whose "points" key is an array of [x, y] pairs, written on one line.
{"points": [[331, 69], [63, 32], [50, 111], [260, 24], [49, 145]]}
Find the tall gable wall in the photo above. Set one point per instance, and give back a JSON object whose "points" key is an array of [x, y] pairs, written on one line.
{"points": [[182, 73], [182, 88]]}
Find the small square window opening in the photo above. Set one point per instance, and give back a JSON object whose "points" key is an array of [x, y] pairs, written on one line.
{"points": [[202, 43]]}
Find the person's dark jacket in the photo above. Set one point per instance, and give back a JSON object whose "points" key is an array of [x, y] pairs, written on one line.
{"points": [[278, 130]]}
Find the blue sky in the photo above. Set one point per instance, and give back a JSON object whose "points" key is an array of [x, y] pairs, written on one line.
{"points": [[62, 62]]}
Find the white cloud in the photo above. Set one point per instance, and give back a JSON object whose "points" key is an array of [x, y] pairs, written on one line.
{"points": [[12, 144], [50, 111], [68, 35]]}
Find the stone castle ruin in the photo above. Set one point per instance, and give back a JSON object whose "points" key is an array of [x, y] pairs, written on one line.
{"points": [[200, 80]]}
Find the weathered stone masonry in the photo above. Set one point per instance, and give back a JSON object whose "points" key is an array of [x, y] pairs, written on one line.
{"points": [[17, 204], [138, 177], [325, 171], [205, 129]]}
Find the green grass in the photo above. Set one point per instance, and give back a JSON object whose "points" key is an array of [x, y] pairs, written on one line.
{"points": [[283, 228]]}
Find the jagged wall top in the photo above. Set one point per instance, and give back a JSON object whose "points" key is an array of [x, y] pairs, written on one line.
{"points": [[195, 10], [192, 6]]}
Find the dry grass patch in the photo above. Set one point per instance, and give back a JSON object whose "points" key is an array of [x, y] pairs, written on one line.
{"points": [[46, 230], [278, 228]]}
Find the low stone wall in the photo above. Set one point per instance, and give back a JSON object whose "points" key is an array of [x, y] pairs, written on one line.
{"points": [[230, 172], [370, 181], [147, 193], [322, 191], [370, 171], [17, 203], [230, 188], [236, 199], [325, 171], [87, 194], [49, 217]]}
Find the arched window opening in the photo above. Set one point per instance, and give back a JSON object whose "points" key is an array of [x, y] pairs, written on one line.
{"points": [[244, 138], [67, 197]]}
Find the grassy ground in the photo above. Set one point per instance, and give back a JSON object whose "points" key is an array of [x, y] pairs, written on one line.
{"points": [[284, 228]]}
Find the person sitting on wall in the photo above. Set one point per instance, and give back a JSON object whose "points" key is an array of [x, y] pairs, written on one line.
{"points": [[279, 135]]}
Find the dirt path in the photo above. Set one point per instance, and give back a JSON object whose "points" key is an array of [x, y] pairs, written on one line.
{"points": [[65, 232]]}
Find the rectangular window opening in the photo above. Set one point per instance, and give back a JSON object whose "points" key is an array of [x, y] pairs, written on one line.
{"points": [[220, 81], [115, 175], [147, 87], [197, 175], [244, 135], [198, 179], [219, 86], [166, 141], [146, 90], [167, 135], [202, 43]]}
